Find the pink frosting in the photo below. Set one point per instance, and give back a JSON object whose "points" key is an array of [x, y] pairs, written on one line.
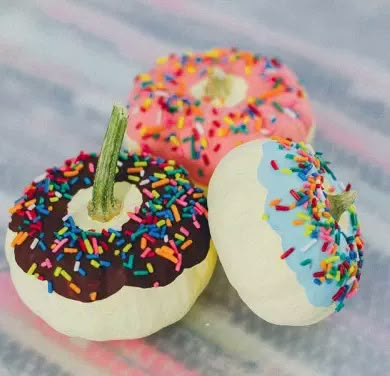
{"points": [[166, 120]]}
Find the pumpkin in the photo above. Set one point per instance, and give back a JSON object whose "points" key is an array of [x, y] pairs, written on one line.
{"points": [[286, 231], [198, 106], [110, 247]]}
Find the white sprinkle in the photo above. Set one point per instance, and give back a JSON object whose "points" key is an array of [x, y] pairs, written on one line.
{"points": [[39, 178], [66, 217], [159, 117], [342, 185], [308, 245], [134, 111], [31, 207], [34, 243], [199, 127], [351, 281], [290, 112], [320, 194], [58, 194], [120, 164], [165, 238], [76, 266], [311, 150], [161, 93], [144, 182], [147, 204], [142, 173]]}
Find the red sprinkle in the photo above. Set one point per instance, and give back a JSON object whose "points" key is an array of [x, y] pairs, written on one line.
{"points": [[338, 293], [348, 187], [318, 274], [205, 159], [295, 194], [282, 208], [217, 147], [287, 253], [274, 165], [254, 109], [325, 246]]}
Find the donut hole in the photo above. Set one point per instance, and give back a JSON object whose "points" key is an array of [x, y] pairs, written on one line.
{"points": [[127, 193]]}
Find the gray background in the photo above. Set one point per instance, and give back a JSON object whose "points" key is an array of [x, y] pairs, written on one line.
{"points": [[63, 63]]}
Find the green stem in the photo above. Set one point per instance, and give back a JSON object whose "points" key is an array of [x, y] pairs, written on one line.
{"points": [[104, 205], [219, 85], [340, 203]]}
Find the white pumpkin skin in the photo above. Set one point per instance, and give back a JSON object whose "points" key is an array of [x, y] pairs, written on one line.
{"points": [[249, 249], [130, 313]]}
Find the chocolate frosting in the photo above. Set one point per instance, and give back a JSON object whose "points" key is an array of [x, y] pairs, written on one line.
{"points": [[115, 266]]}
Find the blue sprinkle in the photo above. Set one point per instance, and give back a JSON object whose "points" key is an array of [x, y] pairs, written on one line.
{"points": [[90, 257], [79, 255], [50, 286], [82, 272], [303, 200], [317, 281], [104, 263], [60, 257], [42, 245]]}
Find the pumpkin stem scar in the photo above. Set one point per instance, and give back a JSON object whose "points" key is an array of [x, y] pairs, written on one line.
{"points": [[104, 206], [340, 203], [219, 85]]}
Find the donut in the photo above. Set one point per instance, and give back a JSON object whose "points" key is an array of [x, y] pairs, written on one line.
{"points": [[286, 231], [198, 106], [110, 247]]}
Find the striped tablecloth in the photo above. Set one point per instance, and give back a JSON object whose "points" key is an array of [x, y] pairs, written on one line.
{"points": [[63, 63]]}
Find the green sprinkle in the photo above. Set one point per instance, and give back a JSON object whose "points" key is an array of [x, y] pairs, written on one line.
{"points": [[306, 262], [140, 272], [277, 106]]}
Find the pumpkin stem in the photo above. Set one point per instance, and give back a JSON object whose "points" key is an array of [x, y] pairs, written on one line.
{"points": [[340, 203], [104, 206], [219, 84]]}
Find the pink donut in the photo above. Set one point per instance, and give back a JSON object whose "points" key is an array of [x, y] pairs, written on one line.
{"points": [[196, 107]]}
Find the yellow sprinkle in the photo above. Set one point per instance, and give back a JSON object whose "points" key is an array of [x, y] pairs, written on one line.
{"points": [[203, 142], [144, 76], [134, 178], [127, 247], [112, 237], [285, 171], [155, 194], [32, 268], [100, 249], [158, 207], [88, 246], [265, 217], [191, 69], [57, 271], [337, 278], [179, 236], [174, 140], [53, 199], [172, 162], [62, 231], [161, 60], [331, 259], [117, 252], [95, 264], [140, 164], [248, 70], [150, 268], [168, 168], [160, 223], [66, 275], [75, 288], [228, 120], [159, 175], [329, 276]]}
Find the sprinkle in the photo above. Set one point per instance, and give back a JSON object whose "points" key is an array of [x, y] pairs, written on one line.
{"points": [[305, 262], [175, 213], [150, 268], [75, 288], [95, 263], [32, 268], [282, 208], [92, 296], [160, 183], [66, 275], [309, 245], [287, 253], [274, 165], [50, 287], [186, 244], [274, 202]]}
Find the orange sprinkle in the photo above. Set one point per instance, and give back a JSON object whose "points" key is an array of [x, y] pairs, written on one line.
{"points": [[16, 239], [151, 130], [70, 250], [168, 222], [79, 167], [175, 212], [326, 214], [70, 173], [197, 195], [273, 92], [334, 249], [186, 244], [160, 183], [92, 296], [293, 205], [167, 249], [274, 202], [75, 288], [28, 203], [50, 208], [298, 222], [167, 255], [143, 243], [258, 123], [131, 170], [15, 208]]}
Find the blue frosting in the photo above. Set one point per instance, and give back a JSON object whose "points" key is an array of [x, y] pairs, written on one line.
{"points": [[278, 185]]}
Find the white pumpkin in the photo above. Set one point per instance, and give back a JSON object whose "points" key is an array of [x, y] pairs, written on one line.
{"points": [[286, 272], [176, 253]]}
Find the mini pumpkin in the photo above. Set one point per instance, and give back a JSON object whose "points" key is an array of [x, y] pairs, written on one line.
{"points": [[110, 247], [286, 231]]}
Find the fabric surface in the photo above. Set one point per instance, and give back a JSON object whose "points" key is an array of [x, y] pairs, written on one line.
{"points": [[63, 63]]}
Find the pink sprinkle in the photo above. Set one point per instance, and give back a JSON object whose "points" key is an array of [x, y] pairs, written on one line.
{"points": [[91, 167], [156, 284], [197, 225], [178, 265], [184, 231], [198, 210], [173, 182], [201, 207], [59, 245], [148, 193], [145, 252], [352, 293], [135, 217], [29, 215], [190, 191], [173, 246], [95, 246], [180, 202]]}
